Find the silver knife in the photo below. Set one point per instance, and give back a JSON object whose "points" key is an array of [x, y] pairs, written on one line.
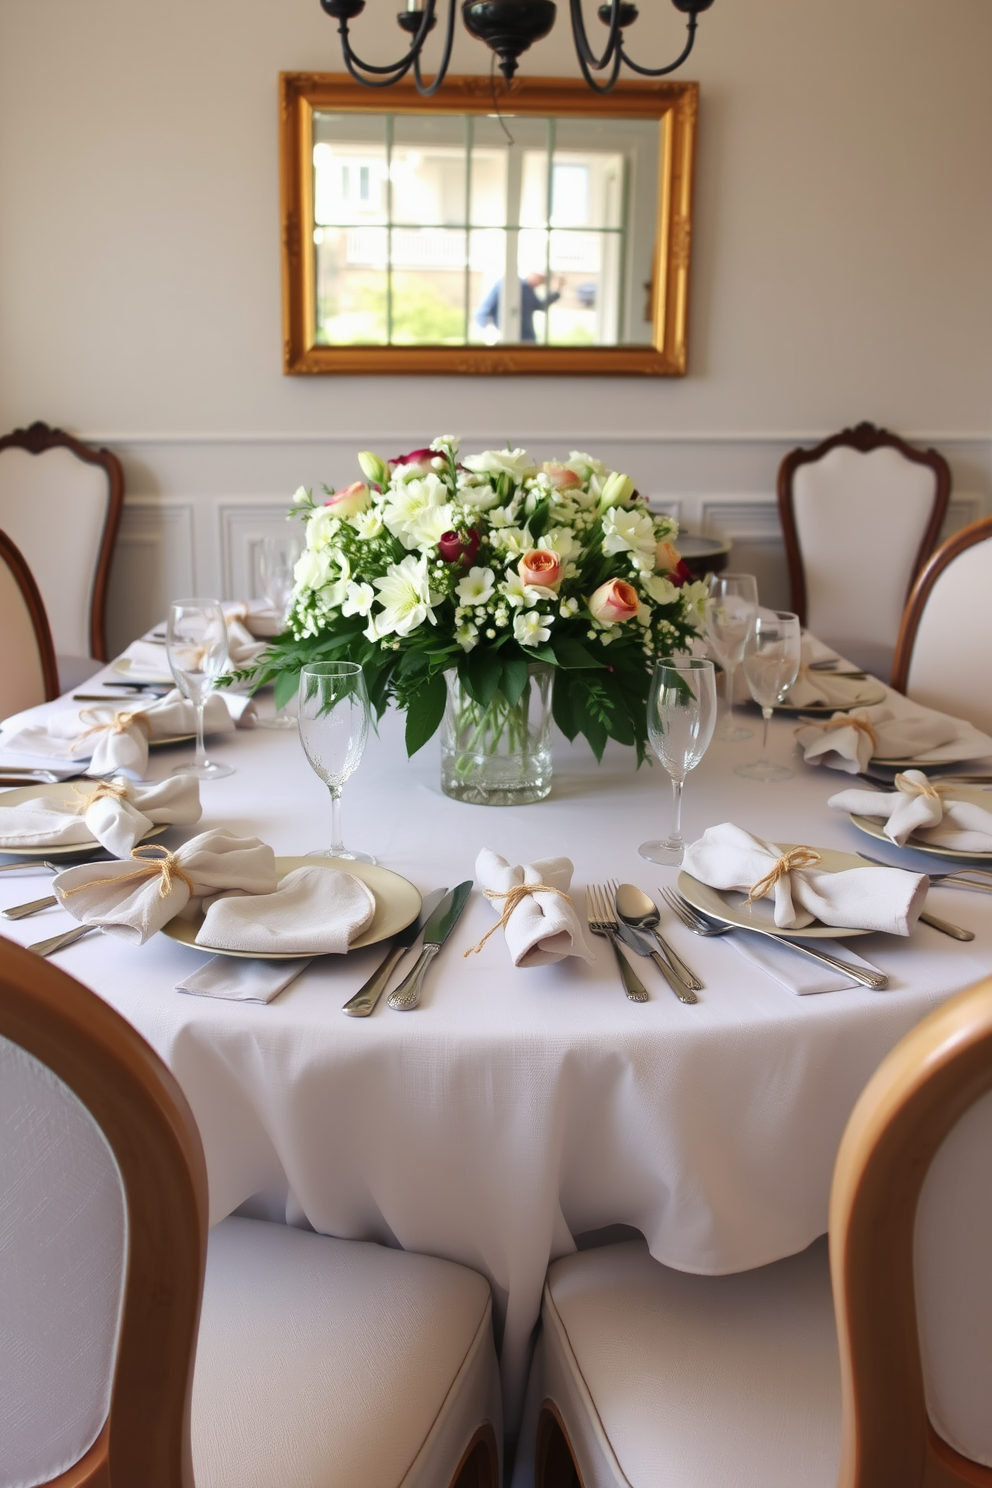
{"points": [[365, 999], [637, 943], [406, 996]]}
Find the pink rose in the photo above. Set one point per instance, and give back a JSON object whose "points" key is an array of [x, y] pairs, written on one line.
{"points": [[614, 602], [560, 476], [666, 557], [540, 567], [349, 501]]}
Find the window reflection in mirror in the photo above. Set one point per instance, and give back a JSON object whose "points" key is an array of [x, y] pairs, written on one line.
{"points": [[536, 237]]}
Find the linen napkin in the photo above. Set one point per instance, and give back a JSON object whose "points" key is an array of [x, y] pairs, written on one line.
{"points": [[134, 898], [888, 899], [313, 912], [847, 741], [540, 927], [917, 808], [117, 814], [242, 981], [829, 690], [799, 975], [256, 616]]}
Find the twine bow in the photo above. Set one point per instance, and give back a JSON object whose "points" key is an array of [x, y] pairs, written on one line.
{"points": [[106, 788], [163, 862], [849, 720], [796, 857], [927, 790], [118, 723], [514, 898]]}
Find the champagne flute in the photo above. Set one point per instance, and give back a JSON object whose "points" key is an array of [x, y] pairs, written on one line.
{"points": [[681, 716], [771, 664], [732, 605], [196, 645], [277, 558], [334, 725]]}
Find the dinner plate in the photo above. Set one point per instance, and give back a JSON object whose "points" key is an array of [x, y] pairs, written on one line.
{"points": [[61, 791], [873, 692], [876, 828], [728, 906], [397, 904]]}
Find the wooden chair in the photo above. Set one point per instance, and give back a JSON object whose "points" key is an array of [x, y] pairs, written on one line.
{"points": [[28, 674], [762, 1380], [316, 1360], [61, 502], [861, 513], [944, 652]]}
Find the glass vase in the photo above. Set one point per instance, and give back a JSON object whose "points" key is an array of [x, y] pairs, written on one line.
{"points": [[500, 754]]}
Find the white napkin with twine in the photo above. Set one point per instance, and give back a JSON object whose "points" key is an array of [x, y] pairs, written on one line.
{"points": [[829, 690], [313, 912], [242, 981], [134, 898], [919, 808], [536, 914], [847, 741], [887, 899], [255, 616], [116, 813]]}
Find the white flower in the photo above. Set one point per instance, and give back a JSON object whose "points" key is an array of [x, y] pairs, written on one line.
{"points": [[630, 532], [408, 502], [568, 608], [445, 444], [324, 527], [512, 540], [312, 569], [302, 497], [367, 524], [521, 595], [467, 636], [477, 587], [424, 530], [358, 599], [617, 489], [531, 629], [404, 592], [561, 541], [660, 589], [585, 466], [479, 497], [516, 463]]}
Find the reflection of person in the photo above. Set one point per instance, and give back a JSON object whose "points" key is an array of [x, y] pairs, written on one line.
{"points": [[530, 301]]}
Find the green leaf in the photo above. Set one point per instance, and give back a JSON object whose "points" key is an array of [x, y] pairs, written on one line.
{"points": [[572, 653], [424, 713], [540, 653], [561, 706], [514, 678], [481, 675], [287, 685], [592, 727]]}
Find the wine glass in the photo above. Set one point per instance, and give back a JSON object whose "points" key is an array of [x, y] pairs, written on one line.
{"points": [[771, 664], [277, 558], [334, 725], [681, 716], [732, 605], [196, 645]]}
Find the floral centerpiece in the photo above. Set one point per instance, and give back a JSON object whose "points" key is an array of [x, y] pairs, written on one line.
{"points": [[490, 572]]}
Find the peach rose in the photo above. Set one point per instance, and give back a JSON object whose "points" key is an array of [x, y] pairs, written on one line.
{"points": [[349, 501], [560, 476], [614, 602], [540, 567], [666, 557]]}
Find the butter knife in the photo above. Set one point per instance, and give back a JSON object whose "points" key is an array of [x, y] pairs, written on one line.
{"points": [[365, 999], [640, 945], [406, 996]]}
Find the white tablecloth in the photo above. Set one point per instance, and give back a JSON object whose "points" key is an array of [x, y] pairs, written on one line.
{"points": [[518, 1109]]}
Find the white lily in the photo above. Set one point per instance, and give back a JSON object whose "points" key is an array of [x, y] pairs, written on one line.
{"points": [[477, 587], [358, 599], [516, 463], [630, 532], [532, 628], [405, 596]]}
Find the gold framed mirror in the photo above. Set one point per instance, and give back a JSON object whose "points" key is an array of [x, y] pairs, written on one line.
{"points": [[438, 236]]}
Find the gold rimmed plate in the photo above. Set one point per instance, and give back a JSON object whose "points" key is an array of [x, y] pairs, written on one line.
{"points": [[397, 904], [730, 907], [61, 791], [974, 794]]}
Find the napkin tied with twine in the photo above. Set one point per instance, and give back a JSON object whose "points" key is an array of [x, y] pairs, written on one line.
{"points": [[847, 741], [933, 813], [536, 913], [116, 814]]}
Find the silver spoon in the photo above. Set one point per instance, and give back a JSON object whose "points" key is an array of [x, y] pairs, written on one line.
{"points": [[641, 913]]}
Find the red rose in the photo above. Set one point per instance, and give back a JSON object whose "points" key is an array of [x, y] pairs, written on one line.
{"points": [[455, 547]]}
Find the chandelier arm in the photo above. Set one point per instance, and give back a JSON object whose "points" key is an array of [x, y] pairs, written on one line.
{"points": [[661, 71], [587, 57], [598, 87], [395, 70], [429, 89]]}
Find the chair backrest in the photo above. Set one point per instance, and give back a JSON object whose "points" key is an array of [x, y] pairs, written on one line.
{"points": [[29, 674], [860, 514], [103, 1204], [911, 1258], [61, 501], [944, 652]]}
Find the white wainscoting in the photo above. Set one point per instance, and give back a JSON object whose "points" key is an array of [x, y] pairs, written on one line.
{"points": [[198, 506]]}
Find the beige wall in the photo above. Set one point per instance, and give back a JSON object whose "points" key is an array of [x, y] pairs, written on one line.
{"points": [[842, 265]]}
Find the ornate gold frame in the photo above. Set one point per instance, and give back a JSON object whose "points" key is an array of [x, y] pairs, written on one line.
{"points": [[674, 105]]}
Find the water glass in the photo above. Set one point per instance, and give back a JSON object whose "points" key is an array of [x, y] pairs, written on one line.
{"points": [[277, 559], [196, 646], [681, 717], [334, 725], [732, 605], [772, 653]]}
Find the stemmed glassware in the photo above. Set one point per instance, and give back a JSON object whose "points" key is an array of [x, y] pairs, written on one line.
{"points": [[277, 559], [772, 654], [334, 725], [681, 716], [732, 605], [196, 645]]}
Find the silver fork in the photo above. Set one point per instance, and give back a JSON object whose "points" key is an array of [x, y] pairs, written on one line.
{"points": [[601, 922], [702, 924]]}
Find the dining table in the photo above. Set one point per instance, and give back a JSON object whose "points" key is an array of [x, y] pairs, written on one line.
{"points": [[519, 1112]]}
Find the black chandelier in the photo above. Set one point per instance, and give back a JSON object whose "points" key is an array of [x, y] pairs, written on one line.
{"points": [[508, 27]]}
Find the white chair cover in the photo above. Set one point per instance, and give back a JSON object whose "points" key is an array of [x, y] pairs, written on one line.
{"points": [[62, 1245], [952, 656]]}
